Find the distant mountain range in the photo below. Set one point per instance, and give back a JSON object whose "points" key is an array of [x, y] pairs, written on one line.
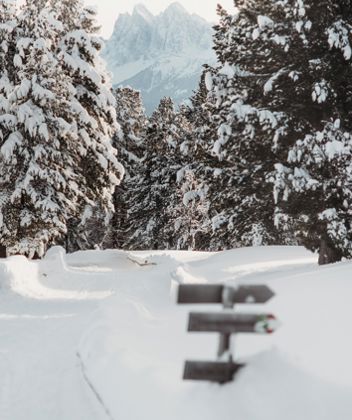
{"points": [[159, 55]]}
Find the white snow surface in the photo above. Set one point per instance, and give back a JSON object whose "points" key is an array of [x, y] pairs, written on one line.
{"points": [[98, 335]]}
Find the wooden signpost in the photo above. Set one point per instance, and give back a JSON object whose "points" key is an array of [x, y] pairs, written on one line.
{"points": [[209, 293], [225, 323]]}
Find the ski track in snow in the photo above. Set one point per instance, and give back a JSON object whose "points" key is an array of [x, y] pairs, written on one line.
{"points": [[43, 380], [43, 320]]}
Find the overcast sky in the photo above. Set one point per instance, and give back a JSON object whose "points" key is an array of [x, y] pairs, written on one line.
{"points": [[110, 9]]}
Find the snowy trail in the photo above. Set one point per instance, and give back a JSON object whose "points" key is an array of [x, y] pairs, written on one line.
{"points": [[40, 329], [82, 335], [45, 381], [45, 309]]}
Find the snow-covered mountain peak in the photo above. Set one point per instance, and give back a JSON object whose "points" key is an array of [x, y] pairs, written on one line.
{"points": [[160, 55], [176, 8], [142, 11]]}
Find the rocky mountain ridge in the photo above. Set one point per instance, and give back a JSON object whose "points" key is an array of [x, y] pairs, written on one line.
{"points": [[159, 55]]}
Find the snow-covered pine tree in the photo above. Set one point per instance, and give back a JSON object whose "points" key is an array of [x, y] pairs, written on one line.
{"points": [[283, 95], [192, 108], [190, 211], [68, 12], [199, 111], [131, 117], [94, 107], [313, 180], [187, 208], [38, 154], [155, 190], [129, 142], [192, 223], [247, 133], [8, 23]]}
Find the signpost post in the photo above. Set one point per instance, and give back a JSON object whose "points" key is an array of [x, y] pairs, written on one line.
{"points": [[225, 323]]}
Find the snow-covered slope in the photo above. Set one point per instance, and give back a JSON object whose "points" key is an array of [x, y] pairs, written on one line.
{"points": [[97, 335], [160, 55]]}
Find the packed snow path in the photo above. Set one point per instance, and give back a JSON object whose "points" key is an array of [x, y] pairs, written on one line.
{"points": [[97, 335]]}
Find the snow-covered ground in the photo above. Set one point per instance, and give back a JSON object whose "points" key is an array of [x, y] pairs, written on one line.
{"points": [[98, 335]]}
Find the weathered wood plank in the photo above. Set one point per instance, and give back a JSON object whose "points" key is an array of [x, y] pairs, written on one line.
{"points": [[200, 293], [253, 294], [224, 344], [213, 293], [231, 323], [211, 371]]}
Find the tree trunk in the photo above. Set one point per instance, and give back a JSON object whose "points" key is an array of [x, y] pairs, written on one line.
{"points": [[3, 253], [328, 254]]}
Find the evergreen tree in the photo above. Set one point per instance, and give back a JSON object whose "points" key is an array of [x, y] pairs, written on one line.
{"points": [[155, 191], [7, 120], [68, 12], [58, 166], [8, 21], [93, 105], [132, 121], [314, 191], [38, 154], [301, 54], [243, 136], [129, 142], [192, 108], [190, 212], [282, 95], [192, 223], [183, 214]]}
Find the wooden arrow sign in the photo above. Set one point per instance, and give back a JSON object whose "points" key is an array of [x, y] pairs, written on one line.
{"points": [[213, 293], [200, 293], [225, 323], [231, 323], [211, 371]]}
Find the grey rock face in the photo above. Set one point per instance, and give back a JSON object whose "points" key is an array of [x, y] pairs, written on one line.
{"points": [[159, 55]]}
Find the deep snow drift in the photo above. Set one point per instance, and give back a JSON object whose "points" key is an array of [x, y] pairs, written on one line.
{"points": [[98, 335]]}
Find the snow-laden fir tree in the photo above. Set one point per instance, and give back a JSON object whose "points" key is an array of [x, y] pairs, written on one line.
{"points": [[244, 133], [68, 12], [38, 153], [283, 98], [186, 214], [93, 105], [129, 142], [155, 192], [303, 53], [132, 120], [192, 222], [8, 21], [192, 108], [314, 191], [200, 112], [190, 212]]}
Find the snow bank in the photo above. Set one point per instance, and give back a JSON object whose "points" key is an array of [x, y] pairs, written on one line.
{"points": [[135, 350], [17, 274], [104, 338]]}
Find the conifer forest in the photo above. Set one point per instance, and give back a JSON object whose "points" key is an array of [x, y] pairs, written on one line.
{"points": [[261, 154]]}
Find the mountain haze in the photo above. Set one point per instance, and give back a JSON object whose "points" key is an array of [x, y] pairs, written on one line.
{"points": [[159, 55]]}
